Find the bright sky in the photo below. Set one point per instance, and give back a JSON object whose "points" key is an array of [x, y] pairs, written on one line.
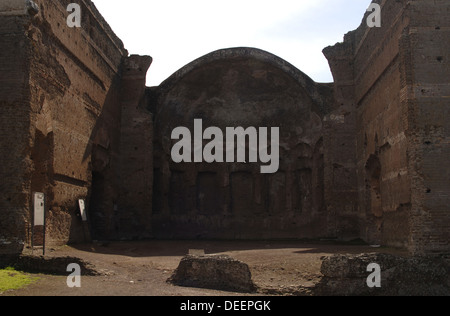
{"points": [[176, 32]]}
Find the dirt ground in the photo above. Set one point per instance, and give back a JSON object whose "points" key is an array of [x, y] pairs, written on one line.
{"points": [[142, 268]]}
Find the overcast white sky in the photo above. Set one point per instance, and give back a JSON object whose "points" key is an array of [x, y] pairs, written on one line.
{"points": [[176, 32]]}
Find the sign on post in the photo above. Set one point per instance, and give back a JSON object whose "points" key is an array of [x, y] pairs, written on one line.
{"points": [[82, 206], [39, 218], [39, 209]]}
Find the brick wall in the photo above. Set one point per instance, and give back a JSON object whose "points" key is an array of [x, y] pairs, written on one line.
{"points": [[74, 82], [240, 87], [429, 127], [60, 103], [15, 163], [367, 68], [136, 153], [374, 161], [395, 79]]}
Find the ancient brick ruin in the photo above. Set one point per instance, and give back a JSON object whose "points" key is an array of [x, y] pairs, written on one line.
{"points": [[367, 156]]}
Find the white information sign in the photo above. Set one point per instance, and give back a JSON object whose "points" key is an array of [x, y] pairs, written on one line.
{"points": [[82, 210], [39, 209]]}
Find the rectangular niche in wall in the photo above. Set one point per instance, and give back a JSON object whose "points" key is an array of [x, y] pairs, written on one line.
{"points": [[178, 193], [209, 193], [242, 193], [305, 177], [277, 193], [157, 199]]}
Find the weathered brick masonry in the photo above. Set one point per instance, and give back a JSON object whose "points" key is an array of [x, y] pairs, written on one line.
{"points": [[367, 156], [15, 129], [60, 105], [241, 87], [394, 81]]}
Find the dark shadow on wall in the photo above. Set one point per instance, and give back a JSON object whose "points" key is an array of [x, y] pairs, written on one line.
{"points": [[120, 151], [103, 151], [374, 211], [243, 87]]}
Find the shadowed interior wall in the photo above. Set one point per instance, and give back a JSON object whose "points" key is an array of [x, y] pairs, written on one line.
{"points": [[240, 87]]}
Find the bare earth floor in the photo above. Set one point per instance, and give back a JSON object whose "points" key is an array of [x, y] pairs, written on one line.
{"points": [[142, 268]]}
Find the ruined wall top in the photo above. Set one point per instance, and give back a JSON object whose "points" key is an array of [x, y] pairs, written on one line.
{"points": [[319, 93]]}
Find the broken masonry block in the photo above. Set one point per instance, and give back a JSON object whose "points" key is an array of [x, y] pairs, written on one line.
{"points": [[217, 272]]}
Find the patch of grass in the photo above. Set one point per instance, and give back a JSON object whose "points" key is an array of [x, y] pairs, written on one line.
{"points": [[10, 279]]}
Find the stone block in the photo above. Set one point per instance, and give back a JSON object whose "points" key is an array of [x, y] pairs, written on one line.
{"points": [[218, 272], [346, 275]]}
